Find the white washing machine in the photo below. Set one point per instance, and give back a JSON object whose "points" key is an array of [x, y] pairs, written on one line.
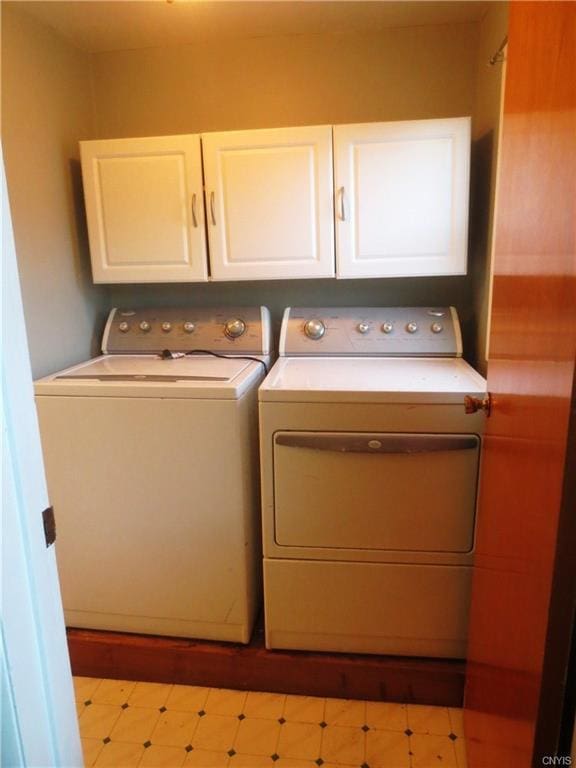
{"points": [[369, 482], [152, 467]]}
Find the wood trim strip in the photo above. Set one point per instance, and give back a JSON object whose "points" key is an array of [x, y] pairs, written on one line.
{"points": [[557, 704], [252, 667]]}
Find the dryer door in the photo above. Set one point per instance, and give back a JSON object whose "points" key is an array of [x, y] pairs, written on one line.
{"points": [[375, 491]]}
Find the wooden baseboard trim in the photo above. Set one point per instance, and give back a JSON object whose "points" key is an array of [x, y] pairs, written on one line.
{"points": [[226, 665]]}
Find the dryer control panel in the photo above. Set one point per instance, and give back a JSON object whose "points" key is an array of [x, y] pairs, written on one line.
{"points": [[370, 331], [229, 330]]}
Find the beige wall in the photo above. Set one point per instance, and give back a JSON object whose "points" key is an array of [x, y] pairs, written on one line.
{"points": [[489, 80], [409, 73], [46, 108], [292, 80]]}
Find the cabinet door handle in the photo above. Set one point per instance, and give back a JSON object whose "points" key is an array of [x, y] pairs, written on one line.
{"points": [[342, 212], [212, 214], [194, 217]]}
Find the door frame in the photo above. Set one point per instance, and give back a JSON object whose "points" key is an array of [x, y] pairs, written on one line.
{"points": [[36, 677]]}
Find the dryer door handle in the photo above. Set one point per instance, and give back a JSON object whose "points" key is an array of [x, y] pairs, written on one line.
{"points": [[377, 443]]}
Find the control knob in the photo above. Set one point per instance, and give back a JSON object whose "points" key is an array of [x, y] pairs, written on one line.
{"points": [[145, 326], [363, 327], [234, 328], [314, 329], [387, 327], [124, 327], [436, 327], [166, 327], [411, 327], [189, 327]]}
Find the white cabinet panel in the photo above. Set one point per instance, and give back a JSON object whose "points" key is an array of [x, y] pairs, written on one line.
{"points": [[145, 209], [269, 197], [402, 198]]}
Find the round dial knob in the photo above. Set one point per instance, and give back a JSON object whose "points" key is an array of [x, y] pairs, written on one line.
{"points": [[189, 327], [124, 327], [145, 326], [234, 328], [436, 327], [314, 329], [363, 327], [387, 327], [166, 327], [411, 327]]}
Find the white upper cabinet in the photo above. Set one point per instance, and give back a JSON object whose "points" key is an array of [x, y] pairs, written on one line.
{"points": [[269, 199], [145, 209], [401, 198]]}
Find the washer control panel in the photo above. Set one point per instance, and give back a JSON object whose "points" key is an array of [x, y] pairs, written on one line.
{"points": [[371, 331], [229, 330]]}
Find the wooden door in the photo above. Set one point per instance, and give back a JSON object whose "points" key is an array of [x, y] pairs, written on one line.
{"points": [[401, 193], [145, 209], [530, 376], [269, 203]]}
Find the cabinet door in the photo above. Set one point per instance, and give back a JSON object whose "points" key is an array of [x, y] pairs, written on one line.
{"points": [[269, 200], [401, 197], [145, 209]]}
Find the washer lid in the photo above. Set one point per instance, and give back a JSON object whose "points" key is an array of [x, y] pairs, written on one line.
{"points": [[201, 376], [362, 379]]}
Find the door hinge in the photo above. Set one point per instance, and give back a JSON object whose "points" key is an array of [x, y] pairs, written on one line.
{"points": [[49, 522]]}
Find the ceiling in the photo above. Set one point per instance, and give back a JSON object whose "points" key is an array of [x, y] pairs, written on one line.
{"points": [[96, 25]]}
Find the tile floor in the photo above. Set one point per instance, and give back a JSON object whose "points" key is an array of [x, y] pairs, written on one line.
{"points": [[125, 724]]}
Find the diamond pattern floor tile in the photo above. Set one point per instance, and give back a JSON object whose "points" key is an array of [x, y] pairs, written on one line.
{"points": [[188, 698], [91, 748], [149, 695], [202, 758], [266, 705], [157, 756], [125, 724], [117, 754], [345, 712], [216, 732], [304, 709], [387, 749], [251, 761], [290, 763], [386, 716], [430, 751], [113, 692], [343, 744], [135, 725], [456, 721], [98, 720], [460, 750], [225, 702], [257, 737], [84, 688], [431, 720], [300, 740], [175, 729]]}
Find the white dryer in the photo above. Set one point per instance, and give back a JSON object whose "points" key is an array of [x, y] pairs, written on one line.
{"points": [[152, 466], [369, 482]]}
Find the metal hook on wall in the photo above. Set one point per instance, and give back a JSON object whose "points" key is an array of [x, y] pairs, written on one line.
{"points": [[499, 55]]}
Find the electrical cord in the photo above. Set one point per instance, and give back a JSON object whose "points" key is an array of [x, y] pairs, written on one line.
{"points": [[166, 354]]}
